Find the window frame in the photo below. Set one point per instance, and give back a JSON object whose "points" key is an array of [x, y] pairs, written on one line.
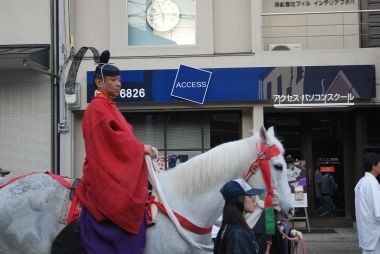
{"points": [[118, 33], [203, 116]]}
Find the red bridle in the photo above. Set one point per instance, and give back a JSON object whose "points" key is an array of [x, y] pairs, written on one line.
{"points": [[263, 157]]}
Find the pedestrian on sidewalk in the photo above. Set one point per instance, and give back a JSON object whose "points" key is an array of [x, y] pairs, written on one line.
{"points": [[328, 187], [234, 235], [367, 205]]}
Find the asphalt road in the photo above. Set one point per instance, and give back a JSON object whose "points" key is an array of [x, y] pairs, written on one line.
{"points": [[343, 241]]}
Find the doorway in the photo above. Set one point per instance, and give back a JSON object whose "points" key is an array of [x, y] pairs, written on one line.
{"points": [[322, 143], [328, 166]]}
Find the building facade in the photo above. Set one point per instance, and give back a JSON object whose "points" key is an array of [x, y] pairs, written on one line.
{"points": [[241, 45], [196, 74], [27, 125]]}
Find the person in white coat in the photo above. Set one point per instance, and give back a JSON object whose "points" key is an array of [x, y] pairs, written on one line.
{"points": [[367, 205]]}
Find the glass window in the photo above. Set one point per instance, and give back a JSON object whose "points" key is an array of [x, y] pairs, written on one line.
{"points": [[289, 131], [224, 127], [373, 131], [161, 22], [175, 158], [184, 131], [138, 27], [148, 128], [372, 134], [327, 147], [180, 136], [327, 165]]}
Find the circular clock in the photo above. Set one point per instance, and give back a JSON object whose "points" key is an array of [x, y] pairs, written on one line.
{"points": [[162, 15]]}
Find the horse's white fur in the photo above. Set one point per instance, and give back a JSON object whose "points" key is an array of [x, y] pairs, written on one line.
{"points": [[192, 189], [204, 170]]}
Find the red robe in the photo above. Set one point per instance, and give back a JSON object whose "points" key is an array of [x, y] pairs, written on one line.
{"points": [[114, 185]]}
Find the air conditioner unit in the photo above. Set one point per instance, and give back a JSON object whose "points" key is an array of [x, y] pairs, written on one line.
{"points": [[279, 47]]}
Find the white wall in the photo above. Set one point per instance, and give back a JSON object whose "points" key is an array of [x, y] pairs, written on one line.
{"points": [[90, 23], [232, 26], [24, 22], [313, 31]]}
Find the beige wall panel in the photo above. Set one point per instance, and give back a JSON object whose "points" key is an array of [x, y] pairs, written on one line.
{"points": [[326, 42], [24, 22], [90, 24], [315, 26], [232, 26]]}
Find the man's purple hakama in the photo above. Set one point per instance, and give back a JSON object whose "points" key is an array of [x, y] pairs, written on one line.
{"points": [[107, 237]]}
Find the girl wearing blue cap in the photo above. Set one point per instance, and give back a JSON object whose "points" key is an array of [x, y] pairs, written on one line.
{"points": [[235, 236]]}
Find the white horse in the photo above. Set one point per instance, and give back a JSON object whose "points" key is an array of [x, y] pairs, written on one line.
{"points": [[29, 207]]}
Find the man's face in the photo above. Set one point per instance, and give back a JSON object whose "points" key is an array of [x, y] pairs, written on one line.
{"points": [[111, 86], [290, 165], [376, 168]]}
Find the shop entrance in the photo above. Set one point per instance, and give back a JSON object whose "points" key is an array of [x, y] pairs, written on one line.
{"points": [[328, 165], [320, 144]]}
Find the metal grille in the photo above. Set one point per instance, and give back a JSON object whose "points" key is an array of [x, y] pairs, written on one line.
{"points": [[374, 29], [25, 121]]}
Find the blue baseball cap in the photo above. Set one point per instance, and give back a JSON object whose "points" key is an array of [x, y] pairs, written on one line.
{"points": [[238, 187]]}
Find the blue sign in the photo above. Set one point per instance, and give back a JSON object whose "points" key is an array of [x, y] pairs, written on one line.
{"points": [[241, 84], [191, 84]]}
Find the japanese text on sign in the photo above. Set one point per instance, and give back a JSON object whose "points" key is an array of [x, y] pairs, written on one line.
{"points": [[312, 3], [304, 98]]}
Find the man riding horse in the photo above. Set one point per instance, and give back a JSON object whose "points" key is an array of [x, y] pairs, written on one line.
{"points": [[114, 188]]}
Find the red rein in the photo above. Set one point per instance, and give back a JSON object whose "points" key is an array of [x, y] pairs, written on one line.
{"points": [[262, 159]]}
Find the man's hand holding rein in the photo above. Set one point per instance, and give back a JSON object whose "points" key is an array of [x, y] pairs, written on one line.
{"points": [[151, 150]]}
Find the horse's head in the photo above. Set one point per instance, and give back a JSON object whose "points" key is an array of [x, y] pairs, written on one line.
{"points": [[270, 154]]}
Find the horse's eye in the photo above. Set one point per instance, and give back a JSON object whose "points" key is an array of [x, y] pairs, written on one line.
{"points": [[278, 166]]}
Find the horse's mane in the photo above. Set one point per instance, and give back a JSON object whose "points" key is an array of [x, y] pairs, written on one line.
{"points": [[227, 160]]}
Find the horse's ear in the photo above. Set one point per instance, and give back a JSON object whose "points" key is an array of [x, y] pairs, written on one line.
{"points": [[270, 131], [263, 134]]}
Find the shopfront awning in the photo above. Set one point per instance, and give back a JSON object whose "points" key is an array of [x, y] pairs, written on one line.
{"points": [[24, 56]]}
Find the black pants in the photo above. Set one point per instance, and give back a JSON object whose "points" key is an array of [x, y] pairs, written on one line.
{"points": [[68, 240]]}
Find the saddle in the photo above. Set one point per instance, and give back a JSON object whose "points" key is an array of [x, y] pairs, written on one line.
{"points": [[70, 207], [68, 240]]}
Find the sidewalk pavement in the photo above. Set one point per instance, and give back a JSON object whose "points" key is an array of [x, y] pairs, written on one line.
{"points": [[335, 241]]}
